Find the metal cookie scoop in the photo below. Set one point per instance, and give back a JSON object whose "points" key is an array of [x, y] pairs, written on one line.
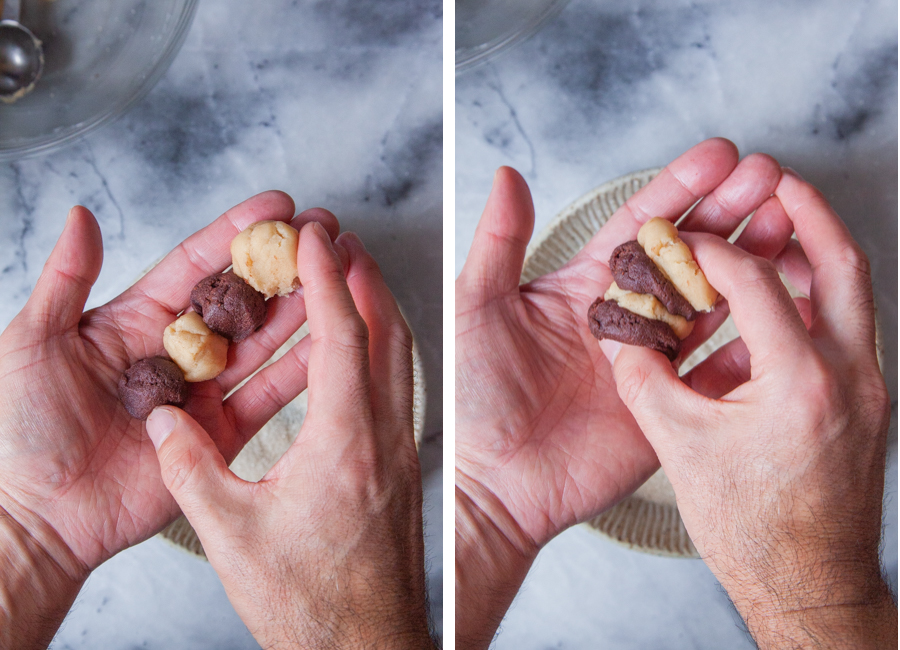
{"points": [[21, 55]]}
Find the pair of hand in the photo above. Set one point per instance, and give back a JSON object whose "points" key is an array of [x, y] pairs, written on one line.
{"points": [[775, 445], [81, 480]]}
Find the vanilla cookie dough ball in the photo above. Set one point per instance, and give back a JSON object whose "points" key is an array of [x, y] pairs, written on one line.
{"points": [[663, 245], [197, 350], [265, 257]]}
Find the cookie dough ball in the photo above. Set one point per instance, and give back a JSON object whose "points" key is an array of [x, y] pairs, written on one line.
{"points": [[229, 306], [647, 305], [199, 352], [663, 245], [150, 383], [265, 256], [608, 320]]}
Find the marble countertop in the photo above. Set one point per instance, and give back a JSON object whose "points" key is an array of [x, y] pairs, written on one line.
{"points": [[608, 88], [337, 103]]}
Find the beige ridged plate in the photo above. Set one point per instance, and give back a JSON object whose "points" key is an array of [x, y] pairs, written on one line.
{"points": [[267, 446], [648, 520]]}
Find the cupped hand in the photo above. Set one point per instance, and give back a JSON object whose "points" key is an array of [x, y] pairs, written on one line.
{"points": [[76, 471], [776, 444], [326, 550], [543, 439]]}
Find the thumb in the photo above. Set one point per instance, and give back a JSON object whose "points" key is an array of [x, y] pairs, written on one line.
{"points": [[192, 468], [659, 401], [70, 272], [498, 250]]}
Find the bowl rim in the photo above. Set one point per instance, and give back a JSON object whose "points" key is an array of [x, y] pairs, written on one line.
{"points": [[467, 58], [116, 110]]}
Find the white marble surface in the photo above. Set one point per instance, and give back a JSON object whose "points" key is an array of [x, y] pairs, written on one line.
{"points": [[337, 103], [607, 88]]}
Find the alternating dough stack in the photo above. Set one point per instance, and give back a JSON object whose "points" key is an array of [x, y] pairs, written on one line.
{"points": [[227, 306], [658, 290]]}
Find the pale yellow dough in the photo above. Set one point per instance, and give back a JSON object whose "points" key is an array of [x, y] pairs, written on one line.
{"points": [[663, 245], [646, 305], [265, 256], [198, 351]]}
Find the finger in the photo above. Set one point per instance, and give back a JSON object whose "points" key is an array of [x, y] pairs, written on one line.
{"points": [[805, 309], [339, 354], [494, 263], [768, 231], [747, 187], [284, 316], [722, 371], [759, 302], [729, 366], [63, 287], [792, 261], [682, 183], [843, 307], [206, 252], [704, 327], [192, 469], [648, 385], [390, 343], [269, 391], [324, 217]]}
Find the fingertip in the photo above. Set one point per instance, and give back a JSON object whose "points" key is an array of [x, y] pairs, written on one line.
{"points": [[722, 148], [641, 375], [344, 255], [792, 172], [610, 350], [324, 217], [276, 201], [160, 424]]}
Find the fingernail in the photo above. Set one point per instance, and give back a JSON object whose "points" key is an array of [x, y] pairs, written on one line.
{"points": [[611, 349], [159, 425], [792, 172], [344, 256]]}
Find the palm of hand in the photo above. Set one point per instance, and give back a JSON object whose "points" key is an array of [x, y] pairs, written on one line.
{"points": [[559, 444], [98, 483]]}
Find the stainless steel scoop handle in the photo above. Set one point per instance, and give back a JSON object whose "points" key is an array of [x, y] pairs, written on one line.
{"points": [[9, 10]]}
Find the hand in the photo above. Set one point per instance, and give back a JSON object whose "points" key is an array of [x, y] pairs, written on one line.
{"points": [[543, 440], [776, 444], [79, 479], [326, 550]]}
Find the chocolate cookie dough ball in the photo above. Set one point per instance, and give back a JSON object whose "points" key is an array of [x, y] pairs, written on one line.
{"points": [[229, 306], [198, 351], [265, 256], [150, 383], [608, 320]]}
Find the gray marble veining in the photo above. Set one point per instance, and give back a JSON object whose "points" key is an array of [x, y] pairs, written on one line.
{"points": [[337, 103], [608, 88]]}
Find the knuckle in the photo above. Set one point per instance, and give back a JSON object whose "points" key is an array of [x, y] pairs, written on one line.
{"points": [[180, 467], [852, 258], [401, 337], [821, 400], [351, 332], [756, 270], [633, 385]]}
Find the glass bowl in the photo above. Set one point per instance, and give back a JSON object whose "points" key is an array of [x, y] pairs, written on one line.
{"points": [[100, 58], [484, 28]]}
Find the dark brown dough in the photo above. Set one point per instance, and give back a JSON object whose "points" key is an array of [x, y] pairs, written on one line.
{"points": [[229, 306], [608, 320], [150, 383], [632, 269]]}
